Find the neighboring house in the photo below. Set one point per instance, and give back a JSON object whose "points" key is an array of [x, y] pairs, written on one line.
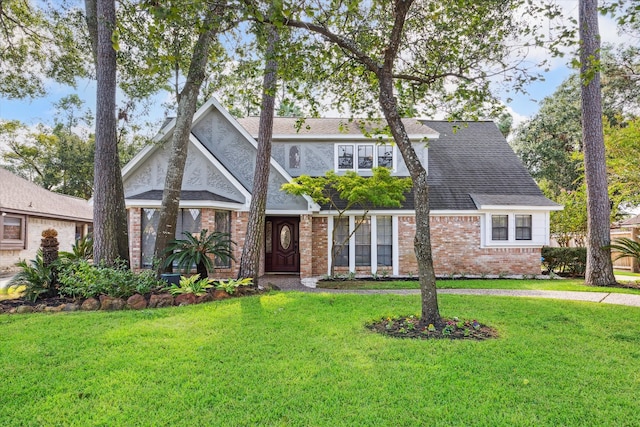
{"points": [[487, 214], [27, 209]]}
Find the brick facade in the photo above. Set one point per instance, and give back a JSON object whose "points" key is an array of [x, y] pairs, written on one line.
{"points": [[455, 242]]}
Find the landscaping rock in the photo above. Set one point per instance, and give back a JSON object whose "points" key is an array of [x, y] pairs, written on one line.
{"points": [[90, 304], [53, 309], [72, 306], [185, 299], [111, 303], [219, 294], [160, 300], [204, 298], [137, 302], [39, 308], [24, 309]]}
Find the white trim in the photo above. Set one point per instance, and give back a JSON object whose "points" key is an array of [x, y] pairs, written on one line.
{"points": [[395, 249], [286, 212], [519, 208], [352, 244], [414, 138], [373, 221], [330, 244], [185, 204], [331, 212]]}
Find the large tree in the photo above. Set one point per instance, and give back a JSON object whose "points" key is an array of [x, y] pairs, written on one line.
{"points": [[599, 270], [403, 55], [110, 235]]}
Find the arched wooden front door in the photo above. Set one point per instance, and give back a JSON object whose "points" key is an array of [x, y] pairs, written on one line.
{"points": [[282, 244]]}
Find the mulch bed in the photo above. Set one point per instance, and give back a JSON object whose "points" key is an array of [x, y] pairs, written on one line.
{"points": [[454, 329]]}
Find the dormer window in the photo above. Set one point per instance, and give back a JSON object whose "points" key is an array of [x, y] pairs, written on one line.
{"points": [[368, 156]]}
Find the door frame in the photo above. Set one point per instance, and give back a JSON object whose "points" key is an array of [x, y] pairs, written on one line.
{"points": [[272, 224]]}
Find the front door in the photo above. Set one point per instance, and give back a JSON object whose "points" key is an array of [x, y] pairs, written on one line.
{"points": [[281, 245]]}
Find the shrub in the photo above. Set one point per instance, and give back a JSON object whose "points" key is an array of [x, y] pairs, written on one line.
{"points": [[82, 249], [191, 285], [38, 278], [570, 261], [81, 279], [626, 248], [231, 285]]}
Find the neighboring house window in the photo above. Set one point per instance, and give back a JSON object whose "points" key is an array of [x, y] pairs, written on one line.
{"points": [[368, 156], [523, 227], [345, 156], [500, 227], [342, 236], [384, 240], [13, 231], [223, 225], [363, 243]]}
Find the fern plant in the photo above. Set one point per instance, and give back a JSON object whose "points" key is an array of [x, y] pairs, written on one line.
{"points": [[199, 250], [82, 249], [191, 285]]}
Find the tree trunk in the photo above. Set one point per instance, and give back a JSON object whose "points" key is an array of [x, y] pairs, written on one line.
{"points": [[180, 141], [253, 243], [422, 241], [110, 236], [599, 265]]}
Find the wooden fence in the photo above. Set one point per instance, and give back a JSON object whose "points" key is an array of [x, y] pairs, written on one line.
{"points": [[626, 264]]}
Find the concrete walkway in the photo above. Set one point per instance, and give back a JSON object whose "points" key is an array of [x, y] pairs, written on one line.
{"points": [[293, 283]]}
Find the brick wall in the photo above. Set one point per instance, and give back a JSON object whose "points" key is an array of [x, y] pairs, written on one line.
{"points": [[320, 241], [455, 241]]}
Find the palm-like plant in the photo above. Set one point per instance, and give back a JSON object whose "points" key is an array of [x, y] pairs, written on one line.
{"points": [[195, 250], [37, 278], [626, 248]]}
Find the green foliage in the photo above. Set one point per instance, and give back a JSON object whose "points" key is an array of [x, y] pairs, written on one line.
{"points": [[191, 285], [82, 249], [572, 261], [622, 142], [81, 279], [626, 248], [198, 250], [38, 279], [231, 285]]}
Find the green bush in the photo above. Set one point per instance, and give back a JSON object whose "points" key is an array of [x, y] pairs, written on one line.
{"points": [[81, 279], [191, 285], [569, 261]]}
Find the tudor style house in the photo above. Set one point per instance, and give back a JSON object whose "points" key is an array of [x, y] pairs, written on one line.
{"points": [[488, 216]]}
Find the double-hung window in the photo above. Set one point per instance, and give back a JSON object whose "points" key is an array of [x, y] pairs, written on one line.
{"points": [[188, 220], [500, 227], [341, 238], [523, 227]]}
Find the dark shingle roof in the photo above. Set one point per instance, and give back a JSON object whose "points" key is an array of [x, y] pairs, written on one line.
{"points": [[473, 160], [185, 195]]}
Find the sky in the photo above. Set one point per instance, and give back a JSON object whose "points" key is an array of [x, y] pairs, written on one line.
{"points": [[522, 106]]}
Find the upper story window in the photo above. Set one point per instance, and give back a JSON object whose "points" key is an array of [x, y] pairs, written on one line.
{"points": [[13, 231], [367, 156], [523, 227], [499, 227]]}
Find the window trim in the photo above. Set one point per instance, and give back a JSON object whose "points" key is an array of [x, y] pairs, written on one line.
{"points": [[12, 244], [504, 227], [530, 227]]}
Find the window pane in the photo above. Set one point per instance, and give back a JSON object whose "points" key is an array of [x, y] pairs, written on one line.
{"points": [[150, 218], [385, 156], [341, 234], [384, 240], [12, 228], [500, 227], [268, 243], [223, 225], [188, 220], [363, 243], [345, 156], [365, 156], [523, 227]]}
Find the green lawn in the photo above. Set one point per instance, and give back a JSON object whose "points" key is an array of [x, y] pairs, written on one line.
{"points": [[297, 359], [547, 285]]}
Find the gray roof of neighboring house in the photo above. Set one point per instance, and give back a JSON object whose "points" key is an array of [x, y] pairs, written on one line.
{"points": [[634, 220], [471, 164], [22, 196], [329, 126], [184, 195]]}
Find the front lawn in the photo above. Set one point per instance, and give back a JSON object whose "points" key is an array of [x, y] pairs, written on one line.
{"points": [[298, 359], [527, 284]]}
